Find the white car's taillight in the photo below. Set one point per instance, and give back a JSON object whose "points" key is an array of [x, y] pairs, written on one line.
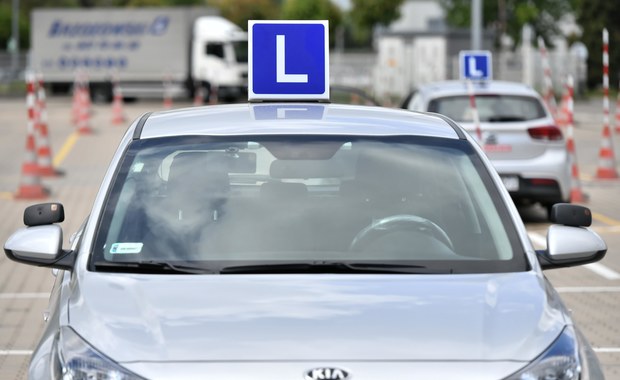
{"points": [[549, 133]]}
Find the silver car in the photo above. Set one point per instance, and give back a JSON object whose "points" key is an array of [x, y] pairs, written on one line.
{"points": [[305, 241], [516, 131]]}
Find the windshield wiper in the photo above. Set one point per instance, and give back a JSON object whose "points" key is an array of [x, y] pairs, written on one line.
{"points": [[150, 267], [331, 267]]}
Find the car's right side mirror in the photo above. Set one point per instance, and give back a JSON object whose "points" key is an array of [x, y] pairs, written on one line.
{"points": [[569, 242]]}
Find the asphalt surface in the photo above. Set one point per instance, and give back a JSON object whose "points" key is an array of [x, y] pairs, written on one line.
{"points": [[591, 292]]}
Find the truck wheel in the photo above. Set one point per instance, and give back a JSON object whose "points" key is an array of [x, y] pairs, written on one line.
{"points": [[101, 93], [206, 93]]}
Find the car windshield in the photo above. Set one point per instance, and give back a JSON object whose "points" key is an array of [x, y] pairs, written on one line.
{"points": [[217, 203], [491, 108]]}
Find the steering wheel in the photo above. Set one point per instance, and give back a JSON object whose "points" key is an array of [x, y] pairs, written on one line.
{"points": [[393, 223]]}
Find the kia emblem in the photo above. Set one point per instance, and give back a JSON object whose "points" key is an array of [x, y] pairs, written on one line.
{"points": [[326, 373]]}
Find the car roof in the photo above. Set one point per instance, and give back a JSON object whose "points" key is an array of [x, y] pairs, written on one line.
{"points": [[455, 87], [294, 119]]}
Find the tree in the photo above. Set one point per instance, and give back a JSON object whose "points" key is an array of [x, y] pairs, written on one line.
{"points": [[594, 16], [240, 11], [509, 16], [367, 14], [313, 10]]}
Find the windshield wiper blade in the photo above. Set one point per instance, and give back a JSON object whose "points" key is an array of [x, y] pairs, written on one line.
{"points": [[331, 267], [150, 267]]}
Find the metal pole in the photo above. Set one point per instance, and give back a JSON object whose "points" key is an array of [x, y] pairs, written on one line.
{"points": [[15, 36], [476, 24]]}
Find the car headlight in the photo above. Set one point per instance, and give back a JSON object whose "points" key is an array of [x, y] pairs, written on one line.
{"points": [[74, 359], [559, 362]]}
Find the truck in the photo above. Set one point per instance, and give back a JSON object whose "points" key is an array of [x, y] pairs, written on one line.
{"points": [[150, 52]]}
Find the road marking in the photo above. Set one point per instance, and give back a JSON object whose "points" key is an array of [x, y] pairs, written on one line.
{"points": [[66, 148], [607, 350], [15, 352], [588, 289], [605, 219], [6, 195], [597, 268], [603, 271], [6, 296]]}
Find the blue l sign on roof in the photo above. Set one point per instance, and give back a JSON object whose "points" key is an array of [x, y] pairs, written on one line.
{"points": [[288, 60], [476, 65]]}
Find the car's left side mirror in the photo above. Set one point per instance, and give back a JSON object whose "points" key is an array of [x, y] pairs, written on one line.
{"points": [[569, 243], [40, 243]]}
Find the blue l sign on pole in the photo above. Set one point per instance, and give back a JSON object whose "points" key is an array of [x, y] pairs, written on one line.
{"points": [[288, 60], [476, 65]]}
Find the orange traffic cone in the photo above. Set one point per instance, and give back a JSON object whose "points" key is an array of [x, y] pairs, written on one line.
{"points": [[118, 116], [606, 163], [198, 94], [44, 152], [561, 115], [167, 93], [30, 186], [83, 123], [213, 95]]}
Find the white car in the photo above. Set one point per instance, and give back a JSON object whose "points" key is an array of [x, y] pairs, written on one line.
{"points": [[516, 131], [305, 241]]}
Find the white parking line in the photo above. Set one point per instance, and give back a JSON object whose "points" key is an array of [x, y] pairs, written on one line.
{"points": [[15, 352], [588, 289], [23, 295], [600, 269], [607, 350]]}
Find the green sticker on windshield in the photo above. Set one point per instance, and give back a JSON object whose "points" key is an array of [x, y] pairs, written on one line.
{"points": [[126, 248]]}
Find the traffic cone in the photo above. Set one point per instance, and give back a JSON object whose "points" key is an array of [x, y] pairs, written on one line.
{"points": [[576, 195], [167, 94], [30, 185], [118, 116], [561, 115], [606, 163], [75, 104], [83, 123], [213, 95], [44, 152], [198, 94]]}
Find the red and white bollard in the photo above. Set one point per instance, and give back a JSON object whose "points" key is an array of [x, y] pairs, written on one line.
{"points": [[548, 93], [474, 111], [576, 195], [607, 162]]}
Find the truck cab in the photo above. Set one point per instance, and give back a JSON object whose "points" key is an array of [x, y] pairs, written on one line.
{"points": [[220, 57]]}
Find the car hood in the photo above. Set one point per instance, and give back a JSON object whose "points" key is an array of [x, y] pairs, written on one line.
{"points": [[160, 318]]}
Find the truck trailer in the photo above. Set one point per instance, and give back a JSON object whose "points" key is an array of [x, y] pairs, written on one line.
{"points": [[149, 51]]}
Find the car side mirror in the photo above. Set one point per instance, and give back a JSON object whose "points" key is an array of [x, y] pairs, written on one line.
{"points": [[570, 243], [570, 215], [40, 243], [44, 213]]}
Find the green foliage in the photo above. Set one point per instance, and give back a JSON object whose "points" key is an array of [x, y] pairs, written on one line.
{"points": [[6, 27], [314, 10], [594, 16], [366, 14], [240, 11], [509, 16]]}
